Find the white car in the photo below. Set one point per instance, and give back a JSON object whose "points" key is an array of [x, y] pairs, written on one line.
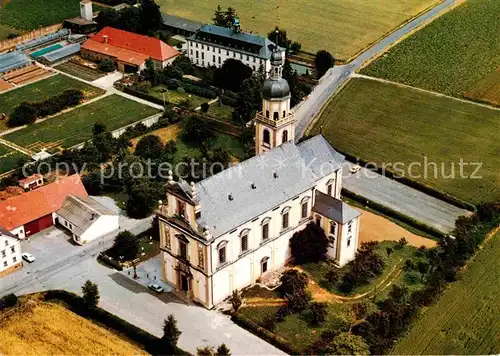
{"points": [[355, 168], [156, 287], [28, 257]]}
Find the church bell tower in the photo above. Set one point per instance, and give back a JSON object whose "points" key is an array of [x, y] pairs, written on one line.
{"points": [[275, 124]]}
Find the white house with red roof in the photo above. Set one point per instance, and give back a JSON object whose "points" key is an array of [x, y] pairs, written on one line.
{"points": [[10, 253], [129, 51]]}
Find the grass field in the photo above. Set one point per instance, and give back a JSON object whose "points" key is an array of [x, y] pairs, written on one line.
{"points": [[32, 14], [451, 55], [75, 126], [466, 318], [175, 97], [488, 90], [9, 158], [342, 27], [38, 328], [386, 123], [44, 89]]}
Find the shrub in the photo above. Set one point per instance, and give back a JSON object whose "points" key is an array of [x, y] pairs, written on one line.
{"points": [[125, 246], [149, 147], [292, 281], [364, 268], [205, 107], [90, 294], [143, 87], [333, 276], [269, 322], [107, 65], [298, 300], [282, 312], [235, 300], [319, 312], [8, 301], [323, 61], [402, 242], [412, 277], [171, 332], [309, 244], [223, 350], [359, 310]]}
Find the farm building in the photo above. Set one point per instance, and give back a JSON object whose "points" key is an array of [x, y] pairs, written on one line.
{"points": [[43, 40], [129, 51], [179, 26], [13, 60], [86, 219], [60, 54], [10, 253], [33, 211], [31, 182], [212, 45]]}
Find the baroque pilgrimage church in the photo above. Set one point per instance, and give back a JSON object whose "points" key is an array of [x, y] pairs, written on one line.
{"points": [[230, 229]]}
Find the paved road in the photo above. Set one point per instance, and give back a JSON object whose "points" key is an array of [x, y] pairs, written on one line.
{"points": [[400, 197], [338, 75]]}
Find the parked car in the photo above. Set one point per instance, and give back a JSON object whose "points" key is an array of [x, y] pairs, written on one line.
{"points": [[156, 288], [355, 168], [28, 257]]}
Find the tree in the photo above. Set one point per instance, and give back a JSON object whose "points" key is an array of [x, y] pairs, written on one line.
{"points": [[231, 74], [367, 265], [107, 65], [98, 128], [107, 17], [24, 114], [249, 99], [291, 281], [319, 312], [205, 351], [323, 61], [205, 107], [309, 244], [359, 310], [235, 300], [333, 276], [197, 129], [90, 294], [171, 332], [223, 350], [279, 37], [149, 147], [143, 198], [224, 18], [348, 344], [151, 18], [402, 242], [125, 245]]}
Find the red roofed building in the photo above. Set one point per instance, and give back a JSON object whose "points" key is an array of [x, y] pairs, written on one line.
{"points": [[31, 212], [129, 51]]}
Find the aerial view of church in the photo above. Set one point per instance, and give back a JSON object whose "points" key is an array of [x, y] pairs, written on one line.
{"points": [[249, 177]]}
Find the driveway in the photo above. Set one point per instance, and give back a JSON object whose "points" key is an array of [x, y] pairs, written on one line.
{"points": [[402, 198]]}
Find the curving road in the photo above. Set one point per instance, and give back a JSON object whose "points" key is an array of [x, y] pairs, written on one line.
{"points": [[338, 75]]}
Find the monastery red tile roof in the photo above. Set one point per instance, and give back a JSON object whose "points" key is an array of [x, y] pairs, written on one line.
{"points": [[129, 47], [22, 209]]}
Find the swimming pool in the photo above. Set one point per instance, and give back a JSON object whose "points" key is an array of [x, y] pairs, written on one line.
{"points": [[42, 51]]}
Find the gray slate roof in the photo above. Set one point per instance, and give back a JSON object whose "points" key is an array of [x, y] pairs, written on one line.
{"points": [[181, 23], [242, 39], [297, 168], [333, 208], [82, 212], [13, 60]]}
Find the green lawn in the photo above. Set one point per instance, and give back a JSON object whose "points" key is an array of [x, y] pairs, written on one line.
{"points": [[466, 318], [175, 97], [9, 158], [32, 14], [223, 112], [44, 89], [342, 27], [75, 126], [451, 55], [388, 124]]}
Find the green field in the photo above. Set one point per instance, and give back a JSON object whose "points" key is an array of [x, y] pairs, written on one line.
{"points": [[466, 318], [75, 126], [451, 55], [32, 14], [386, 123], [342, 27], [44, 89], [5, 31], [9, 158]]}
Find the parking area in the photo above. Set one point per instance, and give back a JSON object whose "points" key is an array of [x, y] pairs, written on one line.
{"points": [[148, 272]]}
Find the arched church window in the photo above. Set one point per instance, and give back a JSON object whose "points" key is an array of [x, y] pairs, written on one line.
{"points": [[267, 114], [276, 115], [267, 136], [284, 136], [284, 113]]}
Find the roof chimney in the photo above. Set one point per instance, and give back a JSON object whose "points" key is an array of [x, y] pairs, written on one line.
{"points": [[193, 190], [230, 197], [254, 186], [105, 38], [275, 174]]}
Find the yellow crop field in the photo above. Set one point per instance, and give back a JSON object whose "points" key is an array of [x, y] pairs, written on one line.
{"points": [[488, 90]]}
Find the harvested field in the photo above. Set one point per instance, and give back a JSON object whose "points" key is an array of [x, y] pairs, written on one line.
{"points": [[165, 134], [39, 328], [342, 27], [419, 135], [374, 227], [488, 90], [75, 126], [466, 318], [451, 55]]}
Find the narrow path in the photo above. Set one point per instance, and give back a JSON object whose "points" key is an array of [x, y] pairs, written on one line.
{"points": [[356, 75], [16, 147]]}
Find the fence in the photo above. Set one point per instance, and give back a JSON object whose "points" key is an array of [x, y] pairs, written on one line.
{"points": [[9, 44]]}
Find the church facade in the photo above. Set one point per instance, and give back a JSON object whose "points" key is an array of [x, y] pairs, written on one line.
{"points": [[227, 231]]}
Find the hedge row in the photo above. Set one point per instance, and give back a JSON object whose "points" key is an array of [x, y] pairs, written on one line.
{"points": [[263, 333], [227, 100], [27, 112], [110, 261], [140, 94], [434, 192], [189, 87], [151, 343], [393, 213]]}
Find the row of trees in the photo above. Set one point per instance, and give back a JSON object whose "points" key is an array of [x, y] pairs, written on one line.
{"points": [[145, 19]]}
